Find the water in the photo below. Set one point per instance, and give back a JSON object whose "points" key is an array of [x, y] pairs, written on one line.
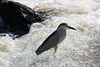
{"points": [[80, 48]]}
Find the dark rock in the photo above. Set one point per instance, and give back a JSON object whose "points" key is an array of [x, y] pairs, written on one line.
{"points": [[17, 17], [2, 1]]}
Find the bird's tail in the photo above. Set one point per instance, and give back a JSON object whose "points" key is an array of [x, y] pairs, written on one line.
{"points": [[38, 52]]}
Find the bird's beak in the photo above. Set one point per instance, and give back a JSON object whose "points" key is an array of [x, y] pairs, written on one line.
{"points": [[71, 28]]}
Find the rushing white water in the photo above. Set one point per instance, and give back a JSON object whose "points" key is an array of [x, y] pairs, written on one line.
{"points": [[80, 48]]}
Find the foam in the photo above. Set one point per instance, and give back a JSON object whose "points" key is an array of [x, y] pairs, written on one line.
{"points": [[79, 49]]}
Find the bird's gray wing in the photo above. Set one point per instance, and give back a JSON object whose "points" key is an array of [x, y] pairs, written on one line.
{"points": [[50, 42]]}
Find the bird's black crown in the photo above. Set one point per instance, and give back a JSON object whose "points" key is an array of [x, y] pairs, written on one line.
{"points": [[63, 24]]}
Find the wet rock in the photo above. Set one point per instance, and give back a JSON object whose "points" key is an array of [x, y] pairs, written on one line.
{"points": [[2, 1], [18, 17]]}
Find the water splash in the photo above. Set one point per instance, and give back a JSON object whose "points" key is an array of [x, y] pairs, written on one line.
{"points": [[81, 48]]}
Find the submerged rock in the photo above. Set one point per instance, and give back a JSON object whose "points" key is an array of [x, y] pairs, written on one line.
{"points": [[18, 17]]}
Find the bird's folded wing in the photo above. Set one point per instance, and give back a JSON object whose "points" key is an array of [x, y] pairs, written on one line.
{"points": [[51, 41]]}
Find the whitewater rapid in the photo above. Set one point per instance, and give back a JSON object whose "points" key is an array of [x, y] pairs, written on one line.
{"points": [[80, 48]]}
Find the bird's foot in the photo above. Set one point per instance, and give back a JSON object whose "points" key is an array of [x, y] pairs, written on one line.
{"points": [[54, 55]]}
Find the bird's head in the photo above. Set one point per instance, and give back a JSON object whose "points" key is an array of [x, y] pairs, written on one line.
{"points": [[65, 26]]}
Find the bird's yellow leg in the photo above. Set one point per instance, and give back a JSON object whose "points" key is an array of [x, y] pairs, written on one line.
{"points": [[54, 53]]}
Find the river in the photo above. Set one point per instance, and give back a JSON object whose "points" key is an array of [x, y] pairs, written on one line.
{"points": [[80, 48]]}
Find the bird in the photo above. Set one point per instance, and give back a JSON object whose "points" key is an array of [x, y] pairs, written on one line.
{"points": [[54, 39]]}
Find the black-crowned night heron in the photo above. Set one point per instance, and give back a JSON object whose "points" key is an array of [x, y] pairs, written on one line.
{"points": [[54, 39]]}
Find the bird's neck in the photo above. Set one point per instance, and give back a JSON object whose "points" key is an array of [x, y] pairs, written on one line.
{"points": [[62, 34]]}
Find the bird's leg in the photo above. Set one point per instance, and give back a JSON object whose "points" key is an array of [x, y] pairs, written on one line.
{"points": [[55, 49], [54, 54]]}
